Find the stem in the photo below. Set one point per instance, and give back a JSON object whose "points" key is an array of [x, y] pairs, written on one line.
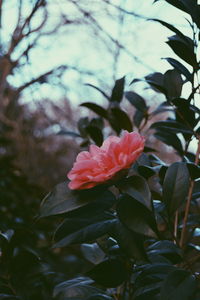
{"points": [[175, 226], [187, 208]]}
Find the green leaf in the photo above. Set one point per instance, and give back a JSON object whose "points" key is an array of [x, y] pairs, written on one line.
{"points": [[137, 187], [96, 134], [193, 8], [96, 108], [62, 199], [177, 4], [137, 101], [120, 120], [194, 171], [87, 234], [118, 90], [173, 83], [109, 273], [99, 297], [169, 139], [93, 253], [180, 68], [98, 89], [175, 186], [137, 118], [79, 287], [171, 27], [131, 243], [172, 126], [76, 223], [136, 216], [167, 249], [183, 50], [178, 285]]}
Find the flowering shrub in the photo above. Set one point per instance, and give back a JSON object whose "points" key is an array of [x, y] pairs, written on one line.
{"points": [[101, 164], [139, 229], [132, 216]]}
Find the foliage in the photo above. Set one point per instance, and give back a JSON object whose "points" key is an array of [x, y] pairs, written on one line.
{"points": [[139, 233]]}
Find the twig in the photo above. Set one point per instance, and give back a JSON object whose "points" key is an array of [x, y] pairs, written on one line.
{"points": [[175, 225], [187, 208]]}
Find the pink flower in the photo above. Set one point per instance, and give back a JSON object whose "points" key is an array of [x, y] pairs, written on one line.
{"points": [[101, 164]]}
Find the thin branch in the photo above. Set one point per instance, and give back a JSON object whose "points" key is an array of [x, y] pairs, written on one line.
{"points": [[187, 208]]}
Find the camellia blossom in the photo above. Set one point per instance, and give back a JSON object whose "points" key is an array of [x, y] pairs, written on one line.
{"points": [[101, 164]]}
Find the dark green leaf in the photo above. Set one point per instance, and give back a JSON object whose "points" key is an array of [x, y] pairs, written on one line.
{"points": [[136, 216], [163, 107], [70, 133], [171, 27], [146, 171], [118, 90], [176, 185], [169, 139], [185, 112], [82, 125], [194, 171], [62, 199], [96, 108], [167, 249], [137, 101], [98, 89], [87, 234], [138, 117], [99, 297], [177, 4], [180, 68], [172, 126], [131, 243], [93, 253], [179, 285], [137, 187], [173, 83], [95, 134], [110, 273], [193, 9], [156, 81], [74, 224], [120, 120], [79, 287], [183, 50]]}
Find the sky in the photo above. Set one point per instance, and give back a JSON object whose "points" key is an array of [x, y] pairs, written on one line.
{"points": [[78, 46]]}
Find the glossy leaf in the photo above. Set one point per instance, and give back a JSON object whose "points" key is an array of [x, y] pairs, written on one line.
{"points": [[175, 186], [131, 243], [118, 90], [87, 234], [173, 83], [96, 134], [98, 89], [110, 273], [179, 285], [79, 287], [172, 126], [96, 108], [120, 120], [169, 139], [180, 68], [93, 253], [137, 187], [62, 199], [183, 50], [137, 101], [136, 216]]}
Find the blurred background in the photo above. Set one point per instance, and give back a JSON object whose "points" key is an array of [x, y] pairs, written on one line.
{"points": [[50, 51]]}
